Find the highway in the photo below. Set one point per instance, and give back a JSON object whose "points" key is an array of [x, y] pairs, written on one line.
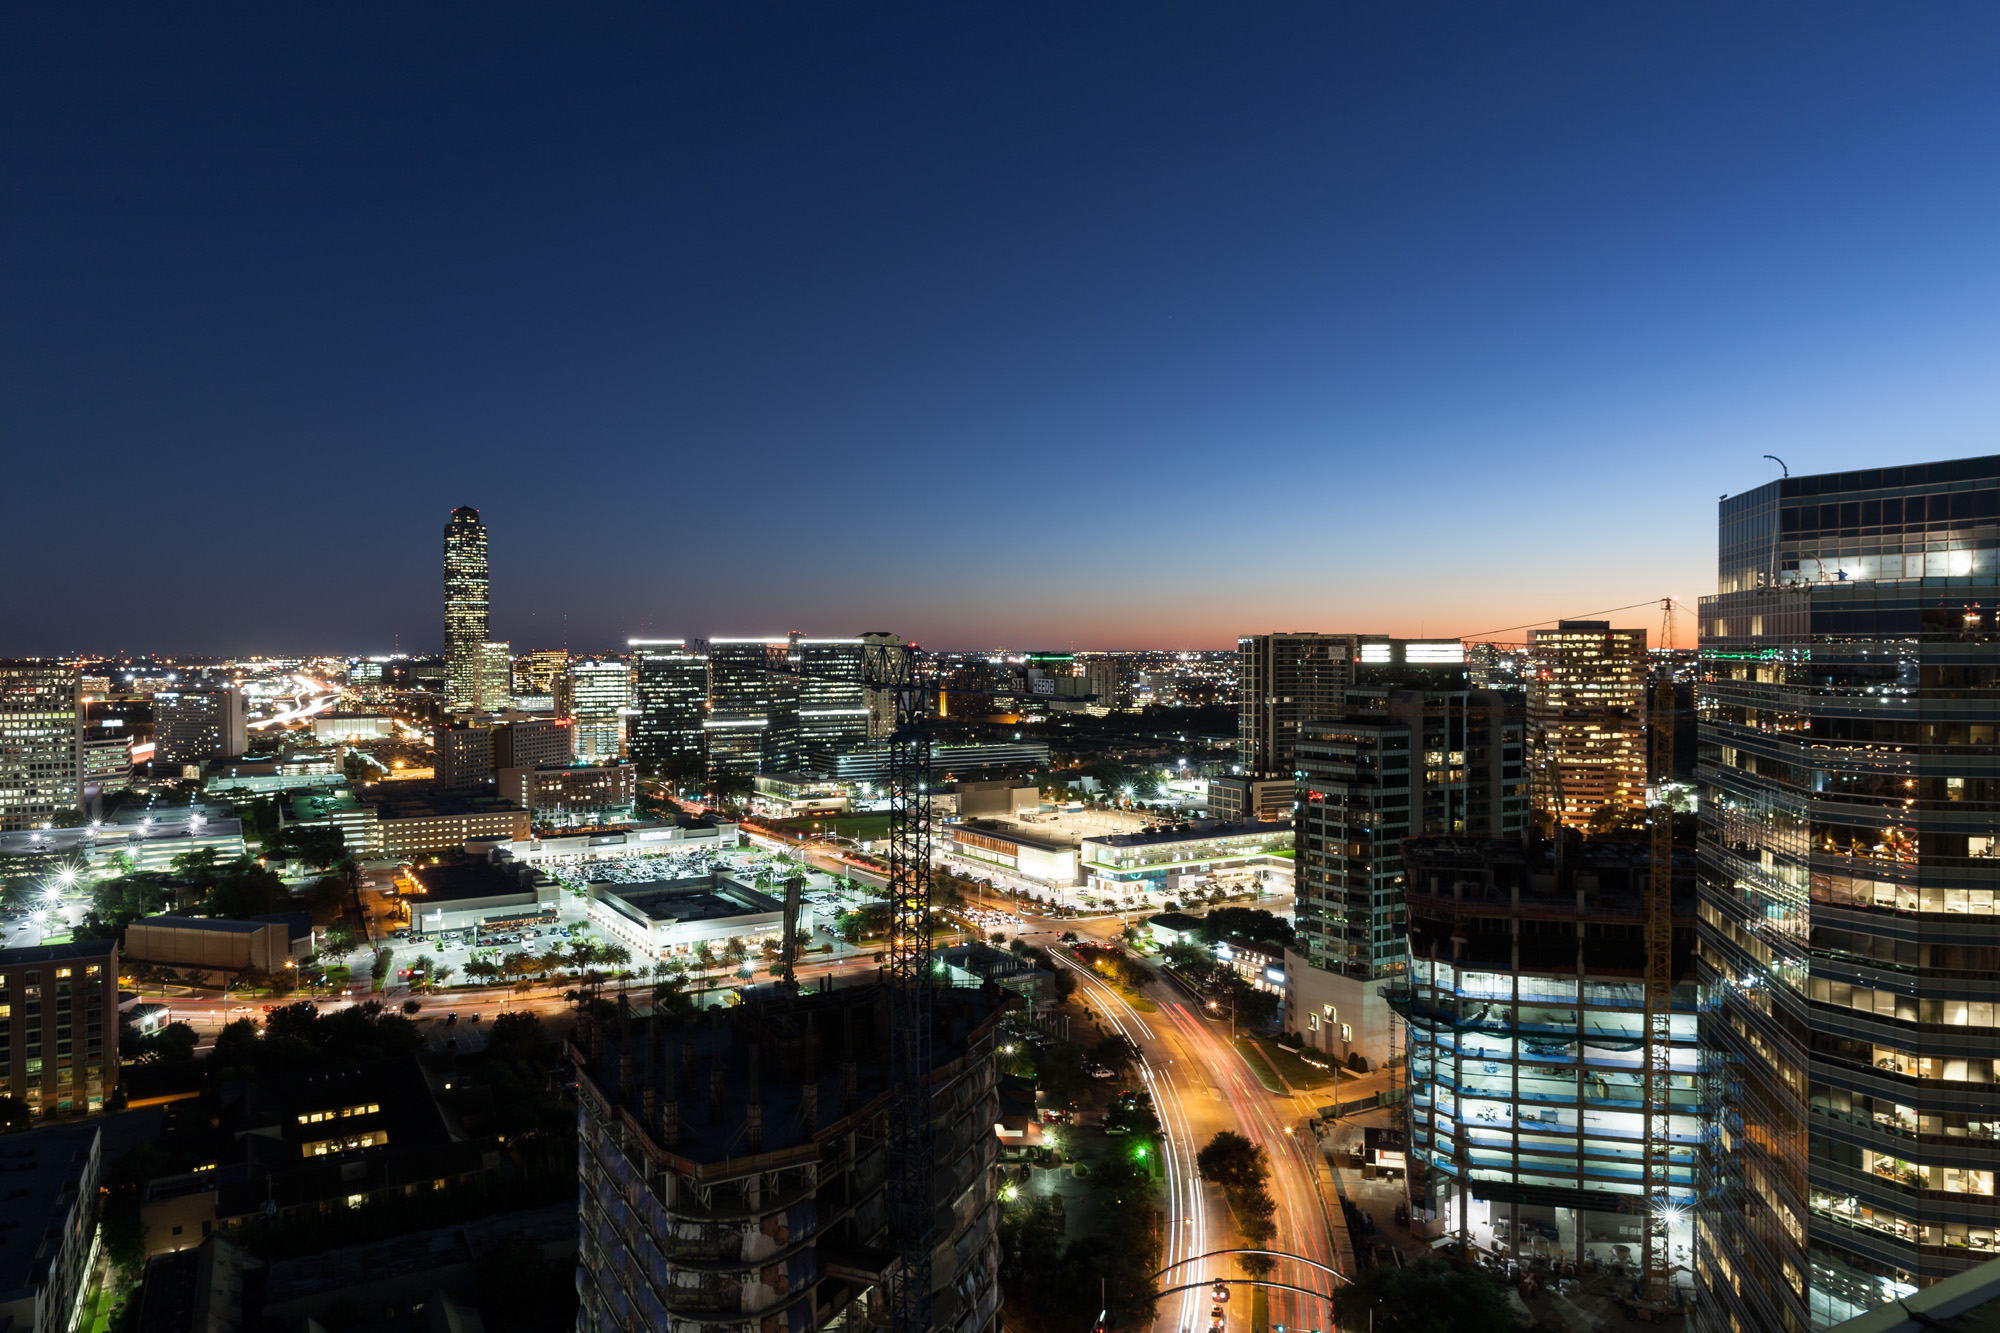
{"points": [[1201, 1086]]}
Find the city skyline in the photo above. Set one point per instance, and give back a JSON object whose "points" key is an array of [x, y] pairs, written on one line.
{"points": [[1476, 272]]}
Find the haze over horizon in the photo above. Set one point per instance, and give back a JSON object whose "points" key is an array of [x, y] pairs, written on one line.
{"points": [[1122, 327]]}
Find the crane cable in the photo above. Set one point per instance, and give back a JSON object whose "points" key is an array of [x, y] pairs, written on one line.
{"points": [[1650, 601]]}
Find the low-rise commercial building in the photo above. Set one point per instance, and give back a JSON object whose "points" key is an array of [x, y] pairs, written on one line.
{"points": [[870, 763], [468, 893], [212, 944], [1047, 857], [1179, 856], [667, 917], [49, 1215], [336, 808], [793, 795], [350, 728]]}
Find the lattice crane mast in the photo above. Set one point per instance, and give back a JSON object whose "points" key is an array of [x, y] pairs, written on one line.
{"points": [[892, 668]]}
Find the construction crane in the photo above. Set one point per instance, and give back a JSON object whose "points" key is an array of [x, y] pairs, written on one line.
{"points": [[1656, 1093], [892, 669]]}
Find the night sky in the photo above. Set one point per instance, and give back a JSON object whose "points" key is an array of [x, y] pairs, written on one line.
{"points": [[1037, 325]]}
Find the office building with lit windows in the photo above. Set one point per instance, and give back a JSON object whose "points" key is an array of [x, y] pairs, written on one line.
{"points": [[739, 720], [833, 700], [1849, 868], [595, 695], [1411, 751], [496, 678], [41, 742], [1587, 718], [465, 609], [669, 699], [195, 725]]}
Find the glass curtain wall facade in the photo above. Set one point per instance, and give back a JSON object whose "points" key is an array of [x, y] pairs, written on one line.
{"points": [[1850, 815], [41, 743], [739, 703], [670, 696], [833, 701], [465, 608], [1587, 714], [496, 678], [1525, 1010]]}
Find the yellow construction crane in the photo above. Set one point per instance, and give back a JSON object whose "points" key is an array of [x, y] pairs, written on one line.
{"points": [[1657, 1094]]}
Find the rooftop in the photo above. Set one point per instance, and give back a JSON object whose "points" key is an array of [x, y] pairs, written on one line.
{"points": [[709, 897], [1197, 832], [458, 880], [419, 800], [56, 953], [215, 923]]}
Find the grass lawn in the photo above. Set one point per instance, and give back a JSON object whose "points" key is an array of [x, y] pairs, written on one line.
{"points": [[1296, 1071], [1254, 1057], [865, 827]]}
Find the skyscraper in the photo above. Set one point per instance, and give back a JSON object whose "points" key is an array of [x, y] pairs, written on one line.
{"points": [[595, 695], [1849, 772], [669, 693], [195, 725], [496, 678], [833, 705], [41, 743], [1284, 680], [465, 606], [1587, 718], [739, 703]]}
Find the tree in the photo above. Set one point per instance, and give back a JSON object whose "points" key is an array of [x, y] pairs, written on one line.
{"points": [[1245, 923], [316, 846], [1240, 1168], [14, 1114], [1423, 1297], [339, 937]]}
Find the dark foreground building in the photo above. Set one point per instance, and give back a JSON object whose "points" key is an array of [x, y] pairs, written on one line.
{"points": [[734, 1166], [1850, 862]]}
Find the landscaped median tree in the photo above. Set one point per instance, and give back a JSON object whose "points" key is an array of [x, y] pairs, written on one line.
{"points": [[1242, 1169]]}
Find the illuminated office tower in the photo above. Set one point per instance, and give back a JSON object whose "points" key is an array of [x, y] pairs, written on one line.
{"points": [[194, 726], [669, 693], [465, 599], [1849, 870], [595, 695], [41, 743], [538, 671], [882, 703], [496, 678], [1284, 680], [739, 703], [833, 702], [1587, 716]]}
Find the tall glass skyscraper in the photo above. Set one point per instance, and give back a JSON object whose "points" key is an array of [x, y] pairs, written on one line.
{"points": [[740, 703], [465, 602], [1849, 868], [833, 702], [669, 697], [41, 742]]}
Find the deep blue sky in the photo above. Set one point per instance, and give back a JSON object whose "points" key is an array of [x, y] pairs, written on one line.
{"points": [[1121, 325]]}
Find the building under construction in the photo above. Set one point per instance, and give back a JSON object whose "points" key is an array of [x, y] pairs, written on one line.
{"points": [[1526, 1014], [736, 1169]]}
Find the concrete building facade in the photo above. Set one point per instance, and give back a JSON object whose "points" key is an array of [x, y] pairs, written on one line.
{"points": [[41, 742]]}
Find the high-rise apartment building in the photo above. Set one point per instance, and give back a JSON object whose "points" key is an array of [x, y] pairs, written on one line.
{"points": [[1849, 869], [464, 757], [194, 726], [595, 695], [1409, 750], [41, 743], [740, 703], [669, 698], [833, 699], [1283, 681], [465, 609], [59, 1055], [496, 678], [1587, 718]]}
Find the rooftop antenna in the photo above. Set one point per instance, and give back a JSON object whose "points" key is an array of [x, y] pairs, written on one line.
{"points": [[1773, 581]]}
